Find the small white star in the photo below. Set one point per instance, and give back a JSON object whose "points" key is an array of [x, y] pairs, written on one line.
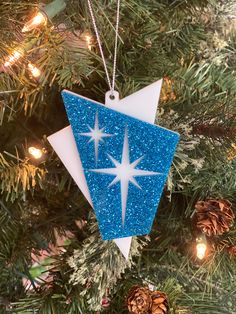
{"points": [[96, 135], [125, 173]]}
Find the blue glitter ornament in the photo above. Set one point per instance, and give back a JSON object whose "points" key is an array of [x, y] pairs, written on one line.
{"points": [[126, 162]]}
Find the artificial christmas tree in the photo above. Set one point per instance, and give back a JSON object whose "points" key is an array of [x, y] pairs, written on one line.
{"points": [[50, 46]]}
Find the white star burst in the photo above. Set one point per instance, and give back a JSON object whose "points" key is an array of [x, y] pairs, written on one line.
{"points": [[96, 135], [125, 172]]}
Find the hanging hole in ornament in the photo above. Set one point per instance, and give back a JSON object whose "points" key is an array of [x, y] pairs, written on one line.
{"points": [[112, 97]]}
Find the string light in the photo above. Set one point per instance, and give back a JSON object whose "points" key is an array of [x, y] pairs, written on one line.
{"points": [[46, 13], [39, 19], [231, 152], [16, 55], [201, 247], [35, 152], [89, 41], [34, 70]]}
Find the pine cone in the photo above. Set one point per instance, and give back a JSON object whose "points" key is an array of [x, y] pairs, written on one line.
{"points": [[214, 217], [159, 303], [232, 251], [139, 300], [214, 131]]}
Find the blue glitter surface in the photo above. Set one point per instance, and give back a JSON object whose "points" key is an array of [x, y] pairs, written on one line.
{"points": [[157, 146]]}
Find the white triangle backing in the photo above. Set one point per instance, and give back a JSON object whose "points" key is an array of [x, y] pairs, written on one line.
{"points": [[124, 245], [64, 145], [141, 105]]}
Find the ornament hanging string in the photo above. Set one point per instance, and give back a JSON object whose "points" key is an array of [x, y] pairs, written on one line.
{"points": [[110, 83]]}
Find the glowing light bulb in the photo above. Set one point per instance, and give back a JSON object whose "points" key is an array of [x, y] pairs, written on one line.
{"points": [[34, 70], [13, 58], [201, 247], [231, 152], [35, 152], [38, 19], [201, 250], [88, 40]]}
